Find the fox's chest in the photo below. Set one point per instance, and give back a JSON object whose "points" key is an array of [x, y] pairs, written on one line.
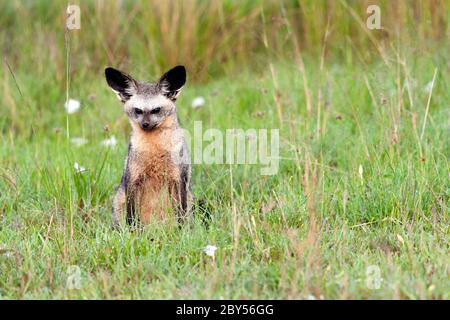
{"points": [[153, 170], [152, 157], [153, 181]]}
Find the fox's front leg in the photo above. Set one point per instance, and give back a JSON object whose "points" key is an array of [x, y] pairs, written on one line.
{"points": [[124, 202], [119, 205], [124, 208], [175, 193], [181, 195]]}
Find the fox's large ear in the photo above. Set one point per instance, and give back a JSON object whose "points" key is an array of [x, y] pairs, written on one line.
{"points": [[121, 83], [172, 81]]}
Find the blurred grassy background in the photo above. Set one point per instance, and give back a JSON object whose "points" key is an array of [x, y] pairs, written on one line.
{"points": [[209, 37], [212, 38]]}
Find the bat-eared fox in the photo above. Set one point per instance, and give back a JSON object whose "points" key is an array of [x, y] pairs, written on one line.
{"points": [[157, 176]]}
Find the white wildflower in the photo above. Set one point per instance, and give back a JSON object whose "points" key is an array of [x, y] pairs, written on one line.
{"points": [[198, 102], [360, 171], [72, 106], [6, 252], [78, 141], [428, 87], [210, 250], [78, 168], [313, 297], [111, 142], [410, 84]]}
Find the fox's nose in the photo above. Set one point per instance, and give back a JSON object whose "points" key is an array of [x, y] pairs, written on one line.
{"points": [[145, 125]]}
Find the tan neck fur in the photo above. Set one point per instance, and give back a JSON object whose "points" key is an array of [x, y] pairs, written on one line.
{"points": [[156, 140]]}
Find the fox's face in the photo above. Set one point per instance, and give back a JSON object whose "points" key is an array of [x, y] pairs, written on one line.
{"points": [[147, 105]]}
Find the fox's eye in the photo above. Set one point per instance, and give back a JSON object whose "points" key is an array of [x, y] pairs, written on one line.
{"points": [[156, 110], [138, 111]]}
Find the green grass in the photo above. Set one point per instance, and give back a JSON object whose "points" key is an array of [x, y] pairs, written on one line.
{"points": [[313, 229]]}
